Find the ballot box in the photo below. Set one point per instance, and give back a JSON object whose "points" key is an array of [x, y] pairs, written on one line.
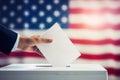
{"points": [[47, 72]]}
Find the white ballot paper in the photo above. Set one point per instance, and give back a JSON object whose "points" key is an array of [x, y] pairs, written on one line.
{"points": [[61, 52]]}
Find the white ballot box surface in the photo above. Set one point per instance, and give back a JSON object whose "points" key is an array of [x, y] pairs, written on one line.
{"points": [[46, 72]]}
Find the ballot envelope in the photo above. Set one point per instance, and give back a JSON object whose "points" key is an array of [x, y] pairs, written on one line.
{"points": [[61, 52]]}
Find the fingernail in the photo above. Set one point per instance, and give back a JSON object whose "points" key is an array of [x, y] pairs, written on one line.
{"points": [[49, 40]]}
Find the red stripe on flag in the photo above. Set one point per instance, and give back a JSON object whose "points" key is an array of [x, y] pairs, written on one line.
{"points": [[96, 11], [100, 56], [84, 55], [95, 42], [21, 54], [113, 71], [98, 27]]}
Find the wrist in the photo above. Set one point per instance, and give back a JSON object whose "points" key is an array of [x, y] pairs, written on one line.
{"points": [[22, 44]]}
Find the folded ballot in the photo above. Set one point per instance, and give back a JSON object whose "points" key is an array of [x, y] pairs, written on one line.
{"points": [[61, 52]]}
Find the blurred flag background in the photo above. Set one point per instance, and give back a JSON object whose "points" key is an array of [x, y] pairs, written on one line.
{"points": [[92, 25]]}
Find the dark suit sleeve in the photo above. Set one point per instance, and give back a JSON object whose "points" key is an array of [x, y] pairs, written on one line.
{"points": [[7, 39]]}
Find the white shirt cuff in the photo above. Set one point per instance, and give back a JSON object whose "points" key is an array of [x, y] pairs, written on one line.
{"points": [[16, 43]]}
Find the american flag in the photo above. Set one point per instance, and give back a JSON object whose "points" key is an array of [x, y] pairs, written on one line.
{"points": [[92, 25], [33, 14]]}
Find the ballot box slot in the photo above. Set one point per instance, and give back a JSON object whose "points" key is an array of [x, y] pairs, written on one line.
{"points": [[49, 66]]}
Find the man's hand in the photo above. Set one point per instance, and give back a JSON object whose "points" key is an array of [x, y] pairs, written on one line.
{"points": [[29, 43]]}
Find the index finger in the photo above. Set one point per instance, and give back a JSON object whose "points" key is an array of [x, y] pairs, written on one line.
{"points": [[46, 40]]}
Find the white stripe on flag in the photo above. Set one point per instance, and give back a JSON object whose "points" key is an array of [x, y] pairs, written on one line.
{"points": [[94, 4], [98, 49], [94, 19], [93, 34]]}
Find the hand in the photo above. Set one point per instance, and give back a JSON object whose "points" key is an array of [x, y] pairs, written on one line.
{"points": [[29, 43]]}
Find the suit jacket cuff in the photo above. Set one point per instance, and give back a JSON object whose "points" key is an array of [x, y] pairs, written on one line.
{"points": [[16, 43]]}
